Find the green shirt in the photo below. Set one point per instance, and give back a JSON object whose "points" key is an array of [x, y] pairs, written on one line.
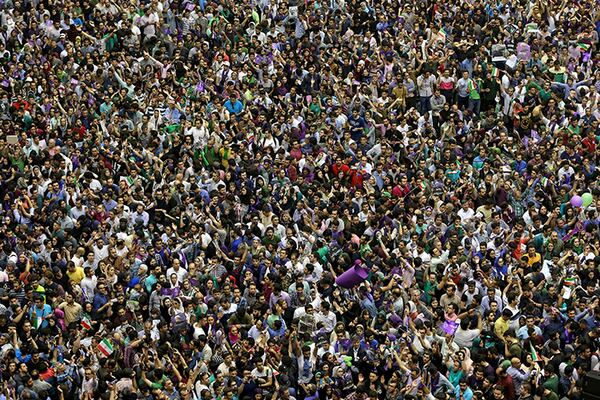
{"points": [[429, 291], [543, 94], [559, 74], [552, 383], [159, 384], [474, 85]]}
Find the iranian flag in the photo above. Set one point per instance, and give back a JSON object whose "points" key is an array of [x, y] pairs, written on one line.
{"points": [[37, 322], [106, 347], [472, 86], [86, 323], [534, 355], [495, 73], [531, 28], [442, 35], [569, 281], [583, 46]]}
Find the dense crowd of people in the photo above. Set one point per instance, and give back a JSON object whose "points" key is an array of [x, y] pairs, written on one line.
{"points": [[191, 191]]}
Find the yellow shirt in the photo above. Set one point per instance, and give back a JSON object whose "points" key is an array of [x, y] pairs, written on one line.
{"points": [[535, 259], [501, 326], [76, 276]]}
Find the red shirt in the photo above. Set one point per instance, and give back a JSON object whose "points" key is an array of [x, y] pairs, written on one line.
{"points": [[357, 178], [296, 153], [292, 173], [589, 144], [78, 132], [49, 373], [340, 168], [21, 105], [399, 191], [509, 387]]}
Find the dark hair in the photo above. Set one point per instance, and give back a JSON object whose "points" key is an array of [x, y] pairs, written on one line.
{"points": [[464, 324]]}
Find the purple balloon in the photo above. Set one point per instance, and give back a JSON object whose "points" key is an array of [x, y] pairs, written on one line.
{"points": [[576, 201], [449, 327]]}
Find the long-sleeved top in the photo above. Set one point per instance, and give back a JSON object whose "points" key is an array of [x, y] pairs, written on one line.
{"points": [[587, 316], [437, 102], [518, 376], [130, 88], [426, 85], [463, 87], [566, 88], [275, 298], [440, 384], [99, 301]]}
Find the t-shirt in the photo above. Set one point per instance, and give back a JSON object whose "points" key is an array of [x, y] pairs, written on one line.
{"points": [[537, 258], [446, 83], [40, 316], [473, 88], [72, 312], [464, 338], [466, 215], [265, 374], [463, 86], [76, 276], [501, 326], [552, 383]]}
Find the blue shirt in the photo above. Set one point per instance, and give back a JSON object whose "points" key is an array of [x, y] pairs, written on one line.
{"points": [[20, 357], [277, 333], [453, 175], [42, 313], [149, 282], [466, 395], [172, 115], [478, 162], [235, 108], [357, 125], [99, 301], [520, 166]]}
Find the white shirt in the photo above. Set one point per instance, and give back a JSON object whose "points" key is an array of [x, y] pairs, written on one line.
{"points": [[224, 368], [78, 212], [464, 338], [266, 373], [466, 215], [77, 260], [329, 320], [299, 312], [199, 388], [100, 254], [181, 273], [426, 85], [254, 333], [148, 21], [21, 219], [143, 216], [200, 135], [88, 286], [6, 348]]}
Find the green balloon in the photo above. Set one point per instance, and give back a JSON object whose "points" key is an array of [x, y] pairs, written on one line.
{"points": [[587, 199]]}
